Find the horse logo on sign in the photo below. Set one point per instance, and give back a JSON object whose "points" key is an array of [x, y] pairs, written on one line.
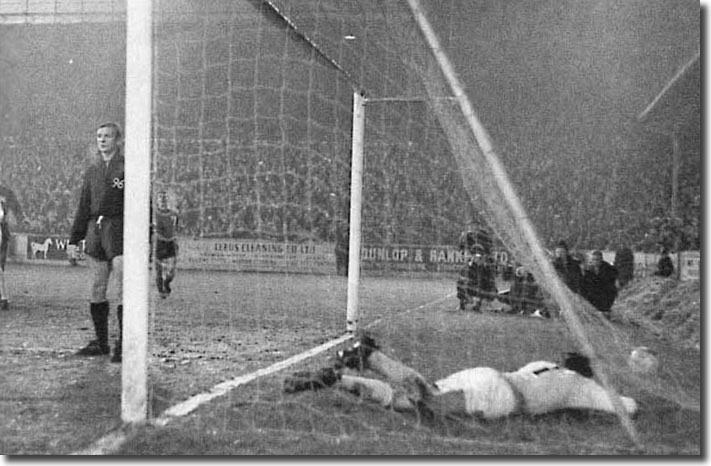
{"points": [[40, 247]]}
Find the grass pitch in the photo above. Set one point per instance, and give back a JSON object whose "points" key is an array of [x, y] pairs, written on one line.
{"points": [[218, 326]]}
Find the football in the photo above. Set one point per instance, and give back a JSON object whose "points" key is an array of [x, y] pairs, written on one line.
{"points": [[643, 360]]}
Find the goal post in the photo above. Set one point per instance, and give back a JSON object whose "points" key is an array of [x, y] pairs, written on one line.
{"points": [[320, 165], [134, 368], [256, 116], [356, 208]]}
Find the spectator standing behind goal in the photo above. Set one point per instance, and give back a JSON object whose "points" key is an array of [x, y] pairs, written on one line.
{"points": [[665, 266], [476, 284], [99, 220], [567, 267], [9, 206], [525, 295], [598, 285], [624, 263], [342, 245], [166, 223]]}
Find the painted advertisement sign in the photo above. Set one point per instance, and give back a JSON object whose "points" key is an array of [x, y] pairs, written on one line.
{"points": [[253, 255], [446, 259], [49, 247]]}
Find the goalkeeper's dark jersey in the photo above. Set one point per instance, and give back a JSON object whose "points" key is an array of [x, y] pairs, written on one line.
{"points": [[101, 195]]}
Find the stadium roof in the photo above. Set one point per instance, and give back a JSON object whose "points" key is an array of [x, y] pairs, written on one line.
{"points": [[679, 102]]}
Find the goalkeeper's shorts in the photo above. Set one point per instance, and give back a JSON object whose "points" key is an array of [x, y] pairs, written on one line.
{"points": [[105, 241]]}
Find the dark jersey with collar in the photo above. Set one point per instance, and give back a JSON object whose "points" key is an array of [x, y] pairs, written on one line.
{"points": [[101, 195]]}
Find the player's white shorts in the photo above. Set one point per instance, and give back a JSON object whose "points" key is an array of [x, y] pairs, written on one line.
{"points": [[486, 392]]}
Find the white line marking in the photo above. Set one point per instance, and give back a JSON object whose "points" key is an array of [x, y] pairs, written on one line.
{"points": [[112, 441], [189, 405], [107, 444], [407, 311]]}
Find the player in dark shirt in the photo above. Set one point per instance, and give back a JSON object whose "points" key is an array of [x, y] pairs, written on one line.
{"points": [[99, 220]]}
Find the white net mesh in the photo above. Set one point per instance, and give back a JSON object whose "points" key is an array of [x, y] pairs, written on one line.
{"points": [[252, 120], [253, 123], [252, 128]]}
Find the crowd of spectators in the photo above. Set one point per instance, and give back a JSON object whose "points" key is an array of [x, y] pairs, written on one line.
{"points": [[45, 174]]}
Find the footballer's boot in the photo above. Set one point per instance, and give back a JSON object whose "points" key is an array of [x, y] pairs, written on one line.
{"points": [[100, 317], [118, 349], [356, 357]]}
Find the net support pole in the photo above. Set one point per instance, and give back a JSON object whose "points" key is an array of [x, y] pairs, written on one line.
{"points": [[512, 201], [352, 309], [137, 211]]}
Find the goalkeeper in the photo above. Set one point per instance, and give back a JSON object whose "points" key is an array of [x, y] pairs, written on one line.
{"points": [[99, 220], [166, 223], [536, 388]]}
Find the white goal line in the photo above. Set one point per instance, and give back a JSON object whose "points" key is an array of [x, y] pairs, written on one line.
{"points": [[113, 440], [189, 405]]}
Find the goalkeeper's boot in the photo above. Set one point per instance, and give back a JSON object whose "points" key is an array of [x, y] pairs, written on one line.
{"points": [[356, 357], [118, 349], [100, 317], [311, 380]]}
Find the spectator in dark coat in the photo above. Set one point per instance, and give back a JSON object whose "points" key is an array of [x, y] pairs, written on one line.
{"points": [[476, 284], [342, 245], [525, 295], [624, 263], [665, 266], [598, 285], [567, 266]]}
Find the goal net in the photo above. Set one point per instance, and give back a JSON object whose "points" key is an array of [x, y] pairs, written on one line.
{"points": [[489, 117], [253, 118], [252, 142]]}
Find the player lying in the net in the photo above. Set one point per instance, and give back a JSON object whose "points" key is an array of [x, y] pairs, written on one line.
{"points": [[536, 388]]}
